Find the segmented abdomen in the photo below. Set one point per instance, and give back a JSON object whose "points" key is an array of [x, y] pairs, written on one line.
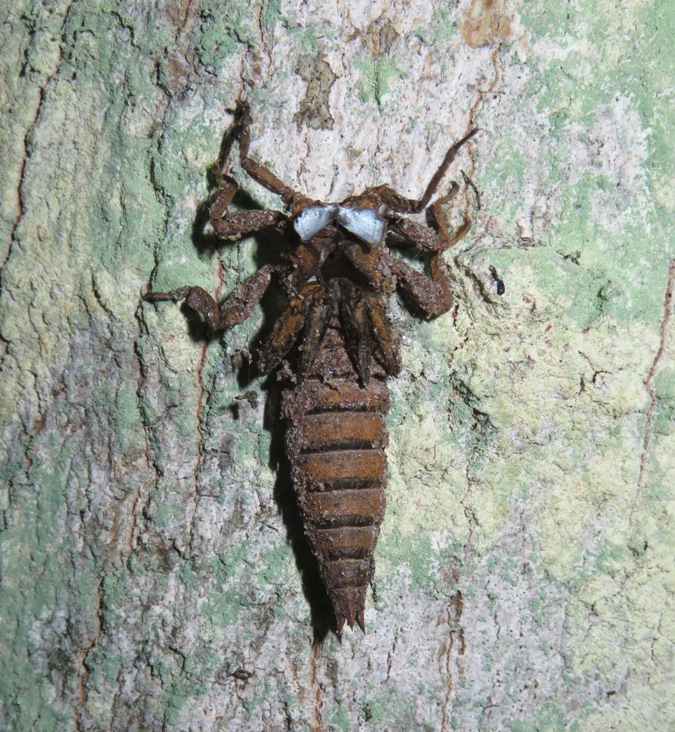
{"points": [[336, 438]]}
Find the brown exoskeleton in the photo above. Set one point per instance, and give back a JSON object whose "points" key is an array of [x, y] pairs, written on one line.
{"points": [[334, 347]]}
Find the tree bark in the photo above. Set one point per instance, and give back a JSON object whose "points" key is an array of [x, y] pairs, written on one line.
{"points": [[154, 570]]}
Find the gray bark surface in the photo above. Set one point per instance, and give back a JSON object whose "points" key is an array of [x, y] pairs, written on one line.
{"points": [[154, 574]]}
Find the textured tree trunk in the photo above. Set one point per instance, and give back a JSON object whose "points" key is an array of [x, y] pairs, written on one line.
{"points": [[154, 569]]}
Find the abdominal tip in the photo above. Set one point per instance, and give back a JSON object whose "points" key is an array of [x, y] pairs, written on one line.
{"points": [[353, 616], [360, 619]]}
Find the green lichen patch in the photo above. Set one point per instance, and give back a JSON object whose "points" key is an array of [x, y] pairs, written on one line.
{"points": [[225, 25], [373, 84]]}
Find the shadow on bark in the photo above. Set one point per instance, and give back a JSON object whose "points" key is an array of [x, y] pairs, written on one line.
{"points": [[270, 249]]}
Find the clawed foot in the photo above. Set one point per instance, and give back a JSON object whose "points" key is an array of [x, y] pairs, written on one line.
{"points": [[181, 293]]}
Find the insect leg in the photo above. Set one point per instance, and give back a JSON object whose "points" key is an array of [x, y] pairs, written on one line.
{"points": [[233, 225], [259, 172], [426, 238], [430, 294], [385, 336], [401, 204], [238, 224], [238, 306], [222, 198], [439, 219]]}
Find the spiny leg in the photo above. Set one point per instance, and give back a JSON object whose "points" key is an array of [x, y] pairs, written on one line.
{"points": [[419, 234], [401, 204], [224, 195], [259, 172], [238, 306], [384, 334], [431, 294], [233, 225], [238, 224], [425, 237], [440, 221]]}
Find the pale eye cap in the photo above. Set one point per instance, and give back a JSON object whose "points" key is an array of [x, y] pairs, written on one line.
{"points": [[364, 223], [314, 218]]}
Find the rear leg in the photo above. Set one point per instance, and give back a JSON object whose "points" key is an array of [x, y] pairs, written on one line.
{"points": [[430, 294], [236, 309], [401, 204]]}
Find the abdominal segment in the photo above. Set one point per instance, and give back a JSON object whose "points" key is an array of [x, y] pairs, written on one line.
{"points": [[336, 438]]}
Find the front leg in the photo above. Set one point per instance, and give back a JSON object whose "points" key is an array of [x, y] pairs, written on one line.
{"points": [[233, 225], [236, 309], [238, 224], [259, 172]]}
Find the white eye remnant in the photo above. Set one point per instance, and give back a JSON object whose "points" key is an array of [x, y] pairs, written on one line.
{"points": [[314, 218], [364, 223]]}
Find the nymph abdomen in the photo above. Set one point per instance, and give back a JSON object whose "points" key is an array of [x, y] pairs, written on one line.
{"points": [[336, 438]]}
